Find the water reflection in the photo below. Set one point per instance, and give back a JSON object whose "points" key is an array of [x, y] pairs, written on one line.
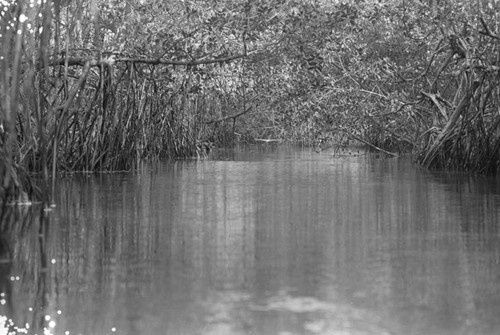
{"points": [[24, 277], [277, 241]]}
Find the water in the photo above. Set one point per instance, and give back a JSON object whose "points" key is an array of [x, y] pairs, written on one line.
{"points": [[262, 241]]}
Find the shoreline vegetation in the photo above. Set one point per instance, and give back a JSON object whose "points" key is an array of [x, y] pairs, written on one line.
{"points": [[103, 85]]}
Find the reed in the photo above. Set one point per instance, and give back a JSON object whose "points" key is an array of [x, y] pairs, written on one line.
{"points": [[91, 115], [122, 117], [15, 183]]}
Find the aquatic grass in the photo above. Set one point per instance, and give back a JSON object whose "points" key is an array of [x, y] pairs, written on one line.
{"points": [[112, 130], [64, 108], [15, 183], [92, 126]]}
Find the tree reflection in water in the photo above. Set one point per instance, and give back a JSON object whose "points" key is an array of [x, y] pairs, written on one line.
{"points": [[269, 242]]}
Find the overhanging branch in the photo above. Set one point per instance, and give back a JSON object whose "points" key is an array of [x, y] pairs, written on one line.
{"points": [[81, 61], [234, 116]]}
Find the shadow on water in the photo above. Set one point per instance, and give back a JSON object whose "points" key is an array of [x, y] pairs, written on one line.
{"points": [[258, 241]]}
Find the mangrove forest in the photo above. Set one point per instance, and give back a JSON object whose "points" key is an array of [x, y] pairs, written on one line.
{"points": [[101, 85]]}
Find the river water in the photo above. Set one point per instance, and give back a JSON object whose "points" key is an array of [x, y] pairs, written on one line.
{"points": [[266, 240]]}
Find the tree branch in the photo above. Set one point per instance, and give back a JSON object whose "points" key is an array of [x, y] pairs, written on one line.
{"points": [[93, 62], [487, 30], [371, 145], [234, 116], [434, 99], [464, 103]]}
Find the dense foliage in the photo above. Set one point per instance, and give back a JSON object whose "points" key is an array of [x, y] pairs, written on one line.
{"points": [[99, 85]]}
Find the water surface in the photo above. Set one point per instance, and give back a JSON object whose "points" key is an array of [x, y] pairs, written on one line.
{"points": [[261, 241]]}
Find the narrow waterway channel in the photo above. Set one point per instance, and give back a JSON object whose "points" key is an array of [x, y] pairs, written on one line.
{"points": [[274, 240]]}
